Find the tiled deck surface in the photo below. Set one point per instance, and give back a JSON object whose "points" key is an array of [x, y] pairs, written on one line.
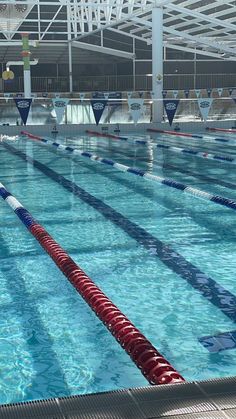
{"points": [[212, 399]]}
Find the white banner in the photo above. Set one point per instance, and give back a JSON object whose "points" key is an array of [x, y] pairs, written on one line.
{"points": [[136, 108], [7, 95], [233, 94], [197, 92], [204, 107], [60, 106], [220, 91], [175, 93], [82, 96]]}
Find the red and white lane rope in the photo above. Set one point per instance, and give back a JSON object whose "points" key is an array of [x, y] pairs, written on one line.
{"points": [[155, 368], [231, 131]]}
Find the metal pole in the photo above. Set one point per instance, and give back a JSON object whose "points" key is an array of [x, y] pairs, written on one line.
{"points": [[26, 60], [69, 49], [157, 63], [134, 71], [134, 67]]}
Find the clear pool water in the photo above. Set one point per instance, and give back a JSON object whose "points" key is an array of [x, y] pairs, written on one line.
{"points": [[51, 343]]}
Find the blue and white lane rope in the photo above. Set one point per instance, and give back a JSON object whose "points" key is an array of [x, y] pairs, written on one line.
{"points": [[201, 154], [187, 134], [230, 203]]}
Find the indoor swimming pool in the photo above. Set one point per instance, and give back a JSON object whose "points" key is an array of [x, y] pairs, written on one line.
{"points": [[166, 258]]}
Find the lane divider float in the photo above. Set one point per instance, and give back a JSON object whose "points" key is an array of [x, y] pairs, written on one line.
{"points": [[185, 134], [201, 282], [99, 134], [117, 137], [227, 202], [230, 130], [201, 154], [155, 368]]}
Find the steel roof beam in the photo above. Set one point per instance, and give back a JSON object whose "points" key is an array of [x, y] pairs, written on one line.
{"points": [[103, 50]]}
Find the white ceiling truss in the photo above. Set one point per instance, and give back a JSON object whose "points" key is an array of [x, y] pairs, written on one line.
{"points": [[204, 27]]}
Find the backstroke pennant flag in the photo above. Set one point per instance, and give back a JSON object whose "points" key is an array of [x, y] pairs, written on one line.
{"points": [[136, 108], [98, 106], [197, 92], [233, 95], [186, 93], [60, 105], [23, 106], [7, 95], [175, 93], [164, 93], [82, 96], [171, 108], [209, 91], [204, 106]]}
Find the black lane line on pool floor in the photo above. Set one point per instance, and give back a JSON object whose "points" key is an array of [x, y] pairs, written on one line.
{"points": [[37, 338], [208, 287], [114, 176], [134, 158]]}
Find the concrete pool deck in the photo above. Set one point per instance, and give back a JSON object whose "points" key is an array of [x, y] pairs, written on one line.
{"points": [[213, 399]]}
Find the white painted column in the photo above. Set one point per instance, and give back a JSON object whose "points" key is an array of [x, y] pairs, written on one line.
{"points": [[26, 61], [134, 67], [69, 48], [70, 68], [157, 63]]}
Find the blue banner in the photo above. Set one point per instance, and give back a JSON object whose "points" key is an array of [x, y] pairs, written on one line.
{"points": [[164, 93], [23, 106], [98, 107], [186, 93], [171, 108], [209, 92]]}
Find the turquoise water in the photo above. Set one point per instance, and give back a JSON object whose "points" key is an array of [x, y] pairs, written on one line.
{"points": [[51, 343]]}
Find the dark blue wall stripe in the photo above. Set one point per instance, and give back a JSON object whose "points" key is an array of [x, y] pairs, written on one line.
{"points": [[208, 287]]}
